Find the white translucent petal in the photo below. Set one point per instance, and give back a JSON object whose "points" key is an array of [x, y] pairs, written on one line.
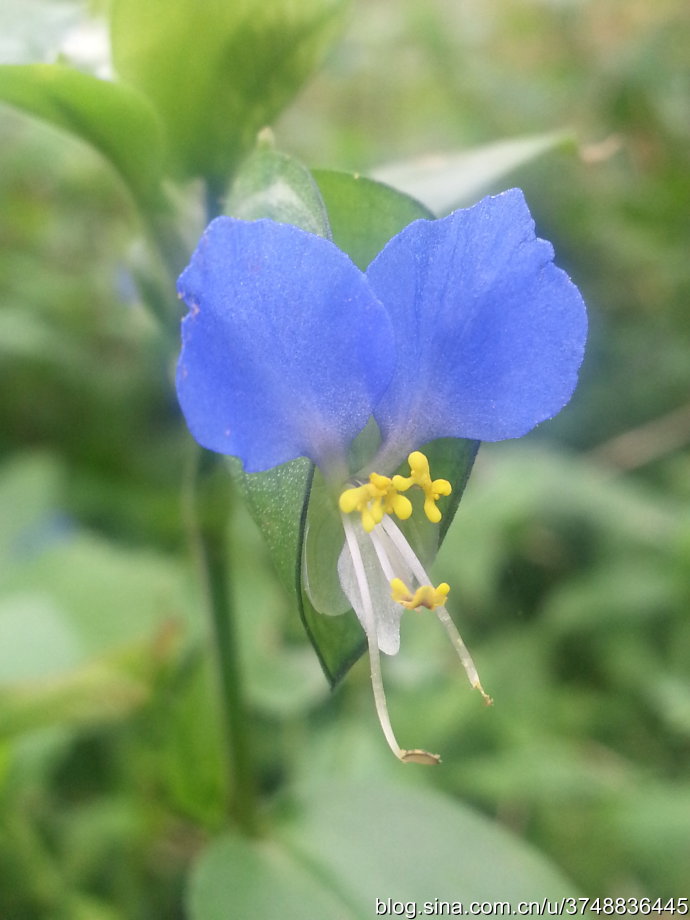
{"points": [[386, 612], [323, 590]]}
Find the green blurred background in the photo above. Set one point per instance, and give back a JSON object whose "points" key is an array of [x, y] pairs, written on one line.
{"points": [[570, 556]]}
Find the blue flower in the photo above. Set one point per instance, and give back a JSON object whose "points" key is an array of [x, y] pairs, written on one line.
{"points": [[461, 327]]}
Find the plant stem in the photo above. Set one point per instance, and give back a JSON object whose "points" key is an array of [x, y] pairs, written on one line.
{"points": [[213, 511], [214, 501]]}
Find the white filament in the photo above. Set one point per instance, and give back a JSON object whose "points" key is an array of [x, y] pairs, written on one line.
{"points": [[372, 639], [409, 557]]}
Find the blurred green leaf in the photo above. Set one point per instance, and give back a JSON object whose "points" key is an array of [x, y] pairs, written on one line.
{"points": [[114, 119], [657, 813], [364, 214], [342, 846], [272, 184], [109, 595], [105, 689], [36, 640], [192, 749], [219, 72], [247, 879], [30, 484], [447, 181]]}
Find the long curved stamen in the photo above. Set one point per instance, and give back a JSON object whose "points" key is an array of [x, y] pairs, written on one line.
{"points": [[406, 756], [374, 657], [403, 547]]}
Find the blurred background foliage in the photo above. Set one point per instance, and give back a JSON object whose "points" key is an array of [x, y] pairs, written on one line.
{"points": [[570, 556]]}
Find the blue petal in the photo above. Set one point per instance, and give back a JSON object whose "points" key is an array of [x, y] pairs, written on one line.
{"points": [[490, 334], [285, 349]]}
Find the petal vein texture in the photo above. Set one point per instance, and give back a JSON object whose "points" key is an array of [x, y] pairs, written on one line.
{"points": [[285, 348], [489, 332]]}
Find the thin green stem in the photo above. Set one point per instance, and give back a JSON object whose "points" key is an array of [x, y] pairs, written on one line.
{"points": [[212, 510], [212, 513]]}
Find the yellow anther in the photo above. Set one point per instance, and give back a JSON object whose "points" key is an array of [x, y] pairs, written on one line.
{"points": [[353, 499], [399, 505], [373, 499], [420, 476], [380, 483], [381, 495], [424, 596]]}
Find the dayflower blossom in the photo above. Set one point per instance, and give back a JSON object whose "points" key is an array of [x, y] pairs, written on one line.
{"points": [[461, 327]]}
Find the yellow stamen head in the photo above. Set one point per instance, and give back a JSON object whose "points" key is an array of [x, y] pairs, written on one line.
{"points": [[400, 593], [420, 476], [399, 505], [425, 596], [353, 499], [373, 499], [381, 495]]}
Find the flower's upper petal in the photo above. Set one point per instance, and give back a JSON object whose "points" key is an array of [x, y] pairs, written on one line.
{"points": [[489, 333], [285, 348]]}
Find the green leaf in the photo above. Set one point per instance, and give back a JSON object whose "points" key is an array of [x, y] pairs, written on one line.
{"points": [[342, 846], [105, 689], [364, 214], [447, 181], [219, 72], [114, 119], [36, 640], [108, 594], [247, 879], [277, 501], [192, 751], [272, 184], [30, 487]]}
